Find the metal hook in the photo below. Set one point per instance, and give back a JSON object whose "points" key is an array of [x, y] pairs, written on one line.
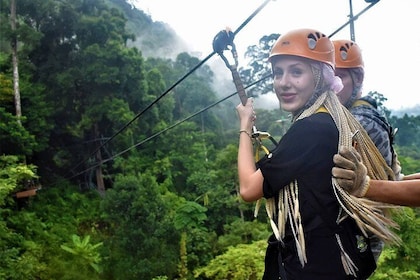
{"points": [[221, 42]]}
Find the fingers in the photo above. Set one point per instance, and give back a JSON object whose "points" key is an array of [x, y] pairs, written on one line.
{"points": [[343, 162], [347, 185], [246, 114], [349, 172], [341, 173], [250, 102], [349, 153]]}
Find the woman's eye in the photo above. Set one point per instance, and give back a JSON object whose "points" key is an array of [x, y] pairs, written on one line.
{"points": [[296, 72], [277, 72]]}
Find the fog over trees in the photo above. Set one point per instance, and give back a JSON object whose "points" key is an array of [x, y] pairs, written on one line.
{"points": [[111, 172]]}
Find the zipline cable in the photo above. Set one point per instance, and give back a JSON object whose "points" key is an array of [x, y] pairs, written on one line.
{"points": [[166, 91], [183, 78], [143, 111], [165, 130], [354, 18], [251, 16]]}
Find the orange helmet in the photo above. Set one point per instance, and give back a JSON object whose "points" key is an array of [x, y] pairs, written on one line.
{"points": [[347, 54], [308, 43]]}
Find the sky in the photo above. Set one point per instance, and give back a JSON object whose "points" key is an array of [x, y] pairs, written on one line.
{"points": [[387, 33]]}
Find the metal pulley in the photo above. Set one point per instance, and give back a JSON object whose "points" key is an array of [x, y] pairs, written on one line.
{"points": [[224, 41]]}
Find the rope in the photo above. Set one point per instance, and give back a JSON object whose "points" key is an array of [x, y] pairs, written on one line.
{"points": [[370, 216]]}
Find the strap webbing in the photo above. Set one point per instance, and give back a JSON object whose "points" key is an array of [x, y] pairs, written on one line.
{"points": [[360, 102]]}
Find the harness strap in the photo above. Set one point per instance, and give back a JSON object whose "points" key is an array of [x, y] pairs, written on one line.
{"points": [[322, 109], [360, 102]]}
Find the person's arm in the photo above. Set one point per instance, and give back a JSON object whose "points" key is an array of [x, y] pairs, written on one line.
{"points": [[405, 193], [351, 174], [250, 179], [413, 176]]}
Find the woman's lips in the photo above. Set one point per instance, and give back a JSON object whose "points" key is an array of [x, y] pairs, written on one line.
{"points": [[287, 97]]}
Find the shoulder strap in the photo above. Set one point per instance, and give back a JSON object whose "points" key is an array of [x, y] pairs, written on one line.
{"points": [[322, 109], [361, 102]]}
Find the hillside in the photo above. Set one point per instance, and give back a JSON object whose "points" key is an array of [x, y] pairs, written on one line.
{"points": [[153, 38]]}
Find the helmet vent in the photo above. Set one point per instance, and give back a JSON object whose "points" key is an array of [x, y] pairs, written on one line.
{"points": [[343, 54], [347, 54], [313, 38], [311, 43]]}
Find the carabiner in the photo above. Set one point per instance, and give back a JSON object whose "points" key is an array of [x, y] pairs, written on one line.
{"points": [[221, 42]]}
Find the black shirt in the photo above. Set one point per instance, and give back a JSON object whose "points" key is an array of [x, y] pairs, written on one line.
{"points": [[305, 153]]}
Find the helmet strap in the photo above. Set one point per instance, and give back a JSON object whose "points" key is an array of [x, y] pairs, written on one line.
{"points": [[356, 89]]}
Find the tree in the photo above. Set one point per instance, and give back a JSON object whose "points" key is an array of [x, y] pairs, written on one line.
{"points": [[85, 253], [188, 216], [14, 176], [408, 130], [18, 89], [244, 261], [82, 61], [399, 262], [80, 85], [142, 242], [257, 65], [15, 61]]}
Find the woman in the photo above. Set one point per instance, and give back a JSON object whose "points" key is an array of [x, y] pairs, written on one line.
{"points": [[295, 178]]}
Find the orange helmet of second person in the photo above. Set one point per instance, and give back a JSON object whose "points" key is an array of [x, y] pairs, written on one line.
{"points": [[348, 54]]}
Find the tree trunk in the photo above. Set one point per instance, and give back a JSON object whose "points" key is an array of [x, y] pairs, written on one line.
{"points": [[183, 265], [15, 61], [99, 177]]}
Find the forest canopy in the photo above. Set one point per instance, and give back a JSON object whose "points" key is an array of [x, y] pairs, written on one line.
{"points": [[109, 171]]}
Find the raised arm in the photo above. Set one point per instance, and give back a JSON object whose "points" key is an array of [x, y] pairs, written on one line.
{"points": [[250, 179]]}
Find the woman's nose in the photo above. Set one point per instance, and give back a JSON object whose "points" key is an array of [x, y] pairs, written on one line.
{"points": [[284, 81]]}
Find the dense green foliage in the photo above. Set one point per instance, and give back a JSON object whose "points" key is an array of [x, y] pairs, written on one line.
{"points": [[130, 182]]}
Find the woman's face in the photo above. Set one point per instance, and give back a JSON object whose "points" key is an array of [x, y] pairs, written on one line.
{"points": [[294, 82], [345, 76]]}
